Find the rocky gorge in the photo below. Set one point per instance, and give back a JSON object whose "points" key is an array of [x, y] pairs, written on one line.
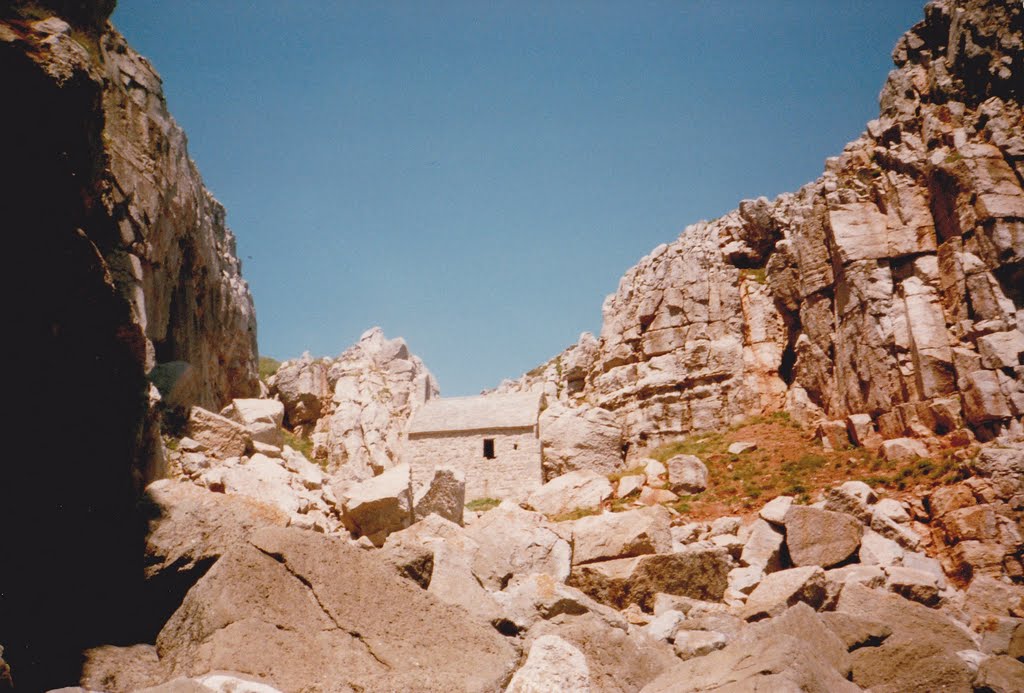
{"points": [[202, 530]]}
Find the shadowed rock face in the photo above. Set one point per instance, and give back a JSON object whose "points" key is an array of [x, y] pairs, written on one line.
{"points": [[891, 286], [116, 257]]}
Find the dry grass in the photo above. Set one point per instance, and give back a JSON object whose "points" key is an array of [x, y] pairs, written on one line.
{"points": [[482, 505], [787, 461]]}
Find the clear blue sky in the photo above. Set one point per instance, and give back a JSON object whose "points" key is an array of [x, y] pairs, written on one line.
{"points": [[476, 176]]}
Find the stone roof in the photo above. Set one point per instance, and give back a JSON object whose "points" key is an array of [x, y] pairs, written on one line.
{"points": [[443, 414]]}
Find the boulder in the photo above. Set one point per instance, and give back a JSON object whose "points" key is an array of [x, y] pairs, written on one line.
{"points": [[862, 431], [920, 655], [775, 510], [575, 438], [915, 585], [191, 527], [513, 542], [620, 661], [1000, 674], [579, 489], [853, 498], [379, 506], [697, 643], [697, 572], [855, 631], [784, 654], [263, 479], [656, 496], [529, 599], [263, 418], [222, 437], [780, 590], [903, 450], [445, 495], [878, 550], [452, 580], [620, 535], [821, 537], [687, 474], [552, 665], [740, 447], [411, 550], [300, 610], [763, 549], [302, 386], [629, 484]]}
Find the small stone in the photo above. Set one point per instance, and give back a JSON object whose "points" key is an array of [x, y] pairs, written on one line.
{"points": [[740, 447]]}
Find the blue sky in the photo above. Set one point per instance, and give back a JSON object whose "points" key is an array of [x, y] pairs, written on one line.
{"points": [[477, 176]]}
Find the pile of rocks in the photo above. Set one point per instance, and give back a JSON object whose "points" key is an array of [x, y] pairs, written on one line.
{"points": [[354, 407], [241, 452]]}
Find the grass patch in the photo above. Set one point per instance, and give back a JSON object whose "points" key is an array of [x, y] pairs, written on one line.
{"points": [[268, 366], [171, 443], [482, 505], [754, 275], [787, 461], [574, 514], [617, 476], [303, 445]]}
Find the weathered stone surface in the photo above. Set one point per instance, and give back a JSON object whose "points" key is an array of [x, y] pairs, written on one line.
{"points": [[579, 489], [222, 437], [763, 549], [191, 527], [300, 610], [553, 664], [903, 450], [379, 506], [513, 542], [301, 386], [855, 631], [920, 655], [619, 662], [411, 550], [263, 418], [687, 474], [792, 652], [620, 535], [780, 590], [445, 496], [529, 599], [574, 438], [821, 537], [696, 572], [775, 510], [1000, 674]]}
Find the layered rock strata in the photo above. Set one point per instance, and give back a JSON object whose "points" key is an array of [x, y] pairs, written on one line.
{"points": [[891, 286]]}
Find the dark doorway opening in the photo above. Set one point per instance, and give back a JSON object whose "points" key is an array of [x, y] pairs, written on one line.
{"points": [[489, 448]]}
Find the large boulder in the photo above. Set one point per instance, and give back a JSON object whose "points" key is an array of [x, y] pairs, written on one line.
{"points": [[687, 474], [552, 665], [263, 479], [697, 572], [920, 655], [379, 506], [779, 591], [821, 537], [794, 652], [763, 548], [445, 495], [221, 436], [513, 542], [620, 535], [411, 550], [574, 438], [579, 489], [302, 611], [263, 418], [302, 387]]}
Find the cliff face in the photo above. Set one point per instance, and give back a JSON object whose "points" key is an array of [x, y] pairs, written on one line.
{"points": [[116, 259], [892, 286]]}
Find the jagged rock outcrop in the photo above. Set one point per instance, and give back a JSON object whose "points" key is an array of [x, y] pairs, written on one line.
{"points": [[119, 260], [889, 287], [355, 407]]}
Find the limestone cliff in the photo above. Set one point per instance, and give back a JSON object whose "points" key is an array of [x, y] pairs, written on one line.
{"points": [[116, 259], [892, 286]]}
